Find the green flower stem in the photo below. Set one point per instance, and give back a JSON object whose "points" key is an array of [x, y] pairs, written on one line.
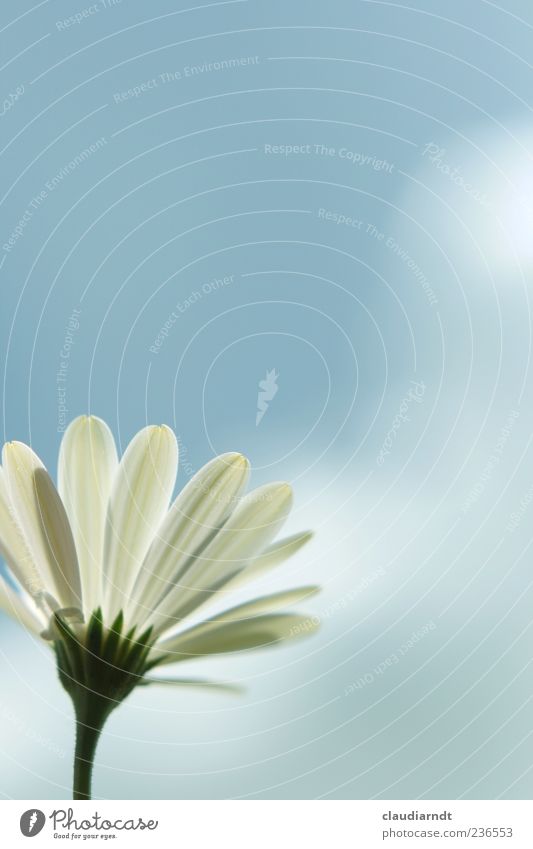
{"points": [[90, 720], [86, 742]]}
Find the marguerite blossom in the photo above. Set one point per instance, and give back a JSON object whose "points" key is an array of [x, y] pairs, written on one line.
{"points": [[113, 575]]}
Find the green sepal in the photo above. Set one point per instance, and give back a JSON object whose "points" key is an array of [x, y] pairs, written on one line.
{"points": [[139, 651], [113, 639], [95, 633]]}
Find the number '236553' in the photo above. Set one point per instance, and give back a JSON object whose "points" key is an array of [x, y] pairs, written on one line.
{"points": [[491, 832]]}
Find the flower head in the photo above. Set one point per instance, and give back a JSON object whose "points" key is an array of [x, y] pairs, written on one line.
{"points": [[108, 571]]}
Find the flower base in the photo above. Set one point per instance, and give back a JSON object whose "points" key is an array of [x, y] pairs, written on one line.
{"points": [[98, 668]]}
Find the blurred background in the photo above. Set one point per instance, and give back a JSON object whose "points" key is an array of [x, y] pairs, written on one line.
{"points": [[334, 198]]}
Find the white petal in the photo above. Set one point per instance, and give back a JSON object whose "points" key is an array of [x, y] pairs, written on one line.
{"points": [[268, 630], [41, 515], [272, 556], [247, 610], [87, 465], [198, 683], [199, 510], [20, 606], [14, 547], [139, 499], [251, 526]]}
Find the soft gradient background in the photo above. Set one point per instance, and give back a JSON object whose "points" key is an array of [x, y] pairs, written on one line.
{"points": [[432, 286]]}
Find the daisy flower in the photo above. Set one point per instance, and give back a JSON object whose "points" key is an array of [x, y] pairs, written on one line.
{"points": [[112, 575]]}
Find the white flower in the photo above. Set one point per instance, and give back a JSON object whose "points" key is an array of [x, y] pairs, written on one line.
{"points": [[106, 553], [108, 572]]}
